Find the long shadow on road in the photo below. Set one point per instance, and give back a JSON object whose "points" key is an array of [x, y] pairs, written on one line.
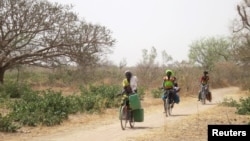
{"points": [[141, 127], [210, 104], [179, 115]]}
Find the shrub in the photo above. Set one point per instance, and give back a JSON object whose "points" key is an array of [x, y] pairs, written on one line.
{"points": [[47, 108], [244, 107], [13, 90], [141, 92], [156, 93], [6, 124], [51, 108], [230, 102], [98, 94]]}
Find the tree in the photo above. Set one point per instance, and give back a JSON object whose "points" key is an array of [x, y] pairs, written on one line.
{"points": [[241, 49], [147, 69], [89, 44], [166, 58], [149, 58], [243, 13], [36, 32], [241, 35], [123, 63], [207, 51], [241, 40]]}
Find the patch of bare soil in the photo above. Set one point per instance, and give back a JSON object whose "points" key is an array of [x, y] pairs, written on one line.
{"points": [[188, 122]]}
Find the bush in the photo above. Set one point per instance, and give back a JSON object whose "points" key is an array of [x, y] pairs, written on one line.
{"points": [[156, 93], [6, 124], [244, 107], [104, 94], [230, 102], [141, 92], [50, 108], [13, 90]]}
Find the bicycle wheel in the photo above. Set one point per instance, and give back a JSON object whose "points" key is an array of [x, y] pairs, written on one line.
{"points": [[203, 97], [167, 107], [131, 119], [123, 117], [170, 107]]}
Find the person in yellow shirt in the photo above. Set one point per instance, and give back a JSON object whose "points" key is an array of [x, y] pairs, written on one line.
{"points": [[129, 84]]}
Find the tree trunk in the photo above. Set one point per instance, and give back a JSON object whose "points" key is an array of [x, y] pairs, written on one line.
{"points": [[2, 71]]}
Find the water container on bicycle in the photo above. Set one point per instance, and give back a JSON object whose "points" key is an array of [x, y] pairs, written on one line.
{"points": [[176, 98], [138, 115], [209, 96], [134, 102]]}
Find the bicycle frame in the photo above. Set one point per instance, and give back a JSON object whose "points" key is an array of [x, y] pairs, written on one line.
{"points": [[169, 101], [126, 115], [204, 92]]}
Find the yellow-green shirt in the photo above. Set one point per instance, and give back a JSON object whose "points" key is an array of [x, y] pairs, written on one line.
{"points": [[168, 83], [125, 82]]}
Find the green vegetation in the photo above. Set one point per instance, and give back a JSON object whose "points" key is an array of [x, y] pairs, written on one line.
{"points": [[230, 102], [28, 107], [243, 106], [156, 93], [7, 124]]}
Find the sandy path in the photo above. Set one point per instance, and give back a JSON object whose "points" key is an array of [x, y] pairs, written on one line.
{"points": [[153, 119]]}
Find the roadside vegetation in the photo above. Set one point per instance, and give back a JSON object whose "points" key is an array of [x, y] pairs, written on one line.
{"points": [[54, 66], [242, 106], [27, 107]]}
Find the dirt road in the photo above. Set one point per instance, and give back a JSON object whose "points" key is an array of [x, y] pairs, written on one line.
{"points": [[154, 118]]}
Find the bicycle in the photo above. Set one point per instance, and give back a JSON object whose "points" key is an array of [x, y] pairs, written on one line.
{"points": [[169, 101], [204, 93], [126, 113]]}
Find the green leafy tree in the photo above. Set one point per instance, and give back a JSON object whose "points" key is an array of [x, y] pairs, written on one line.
{"points": [[37, 32], [208, 51]]}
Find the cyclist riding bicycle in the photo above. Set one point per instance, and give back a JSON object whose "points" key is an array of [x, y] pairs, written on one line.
{"points": [[170, 83], [204, 80], [129, 84]]}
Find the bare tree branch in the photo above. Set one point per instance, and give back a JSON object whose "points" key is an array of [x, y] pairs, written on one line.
{"points": [[45, 34]]}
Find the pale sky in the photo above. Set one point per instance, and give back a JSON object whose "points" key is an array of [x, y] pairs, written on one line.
{"points": [[170, 25]]}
